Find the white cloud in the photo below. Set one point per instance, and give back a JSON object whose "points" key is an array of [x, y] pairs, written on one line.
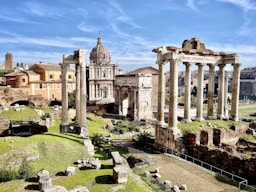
{"points": [[243, 4], [87, 28], [191, 4]]}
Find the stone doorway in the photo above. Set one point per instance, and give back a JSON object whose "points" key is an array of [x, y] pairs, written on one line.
{"points": [[204, 138]]}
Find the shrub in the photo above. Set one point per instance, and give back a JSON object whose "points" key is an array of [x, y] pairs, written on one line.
{"points": [[25, 171], [7, 175]]}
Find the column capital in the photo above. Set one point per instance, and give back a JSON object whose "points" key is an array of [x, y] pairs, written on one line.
{"points": [[200, 64], [221, 65], [161, 62], [211, 65], [236, 64], [174, 61], [188, 64]]}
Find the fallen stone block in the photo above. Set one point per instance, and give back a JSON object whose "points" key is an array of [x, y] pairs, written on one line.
{"points": [[70, 171]]}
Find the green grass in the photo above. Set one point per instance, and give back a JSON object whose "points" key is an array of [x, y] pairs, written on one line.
{"points": [[247, 111], [57, 151], [24, 115], [196, 126]]}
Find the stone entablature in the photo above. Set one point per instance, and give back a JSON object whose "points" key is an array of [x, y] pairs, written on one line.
{"points": [[194, 52]]}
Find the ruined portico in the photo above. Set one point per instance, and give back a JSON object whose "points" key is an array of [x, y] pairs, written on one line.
{"points": [[193, 52], [78, 58]]}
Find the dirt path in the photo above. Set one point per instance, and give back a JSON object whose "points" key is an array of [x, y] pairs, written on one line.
{"points": [[180, 172]]}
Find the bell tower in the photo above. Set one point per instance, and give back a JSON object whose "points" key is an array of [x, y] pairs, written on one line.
{"points": [[8, 61]]}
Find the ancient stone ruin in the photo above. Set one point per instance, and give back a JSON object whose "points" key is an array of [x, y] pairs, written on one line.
{"points": [[193, 51]]}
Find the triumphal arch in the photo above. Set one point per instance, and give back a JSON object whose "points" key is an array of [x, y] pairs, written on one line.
{"points": [[193, 52]]}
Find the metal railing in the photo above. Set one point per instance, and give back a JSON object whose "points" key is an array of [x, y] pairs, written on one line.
{"points": [[242, 182]]}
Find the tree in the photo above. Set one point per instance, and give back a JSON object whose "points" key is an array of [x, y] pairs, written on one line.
{"points": [[72, 99]]}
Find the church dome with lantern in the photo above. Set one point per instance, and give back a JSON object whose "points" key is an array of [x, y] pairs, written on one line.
{"points": [[99, 55]]}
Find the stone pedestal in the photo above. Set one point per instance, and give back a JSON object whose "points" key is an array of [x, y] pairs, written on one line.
{"points": [[120, 174]]}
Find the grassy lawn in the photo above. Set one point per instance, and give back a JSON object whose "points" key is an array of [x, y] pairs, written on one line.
{"points": [[25, 115], [55, 152]]}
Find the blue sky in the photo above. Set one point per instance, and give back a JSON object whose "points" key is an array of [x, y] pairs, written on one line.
{"points": [[44, 30]]}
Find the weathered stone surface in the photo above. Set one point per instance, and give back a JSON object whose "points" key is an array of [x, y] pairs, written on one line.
{"points": [[96, 164], [84, 132], [146, 174], [120, 174], [70, 171], [45, 183], [79, 189], [117, 188], [117, 159], [90, 147], [43, 174], [175, 188], [183, 187], [56, 188]]}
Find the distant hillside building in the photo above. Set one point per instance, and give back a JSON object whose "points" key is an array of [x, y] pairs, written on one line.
{"points": [[40, 79], [248, 83], [8, 64]]}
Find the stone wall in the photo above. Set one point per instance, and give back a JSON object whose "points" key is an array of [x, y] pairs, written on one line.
{"points": [[241, 166]]}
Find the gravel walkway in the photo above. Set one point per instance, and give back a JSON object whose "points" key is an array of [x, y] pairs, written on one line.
{"points": [[180, 172]]}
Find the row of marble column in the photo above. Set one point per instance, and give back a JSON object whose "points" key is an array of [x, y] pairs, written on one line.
{"points": [[80, 72], [173, 97]]}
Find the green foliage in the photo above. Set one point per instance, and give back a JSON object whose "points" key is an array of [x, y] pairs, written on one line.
{"points": [[71, 99], [145, 137], [7, 175], [97, 139], [26, 170], [249, 138]]}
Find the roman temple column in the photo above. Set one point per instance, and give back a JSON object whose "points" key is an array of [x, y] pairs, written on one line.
{"points": [[221, 89], [187, 97], [64, 99], [226, 95], [235, 91], [210, 100], [77, 95], [161, 94], [83, 96], [200, 93], [173, 99]]}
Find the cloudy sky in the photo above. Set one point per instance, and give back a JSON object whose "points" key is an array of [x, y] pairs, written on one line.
{"points": [[44, 30]]}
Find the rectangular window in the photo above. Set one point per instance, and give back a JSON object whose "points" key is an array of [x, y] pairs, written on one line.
{"points": [[69, 77], [51, 76], [23, 80]]}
